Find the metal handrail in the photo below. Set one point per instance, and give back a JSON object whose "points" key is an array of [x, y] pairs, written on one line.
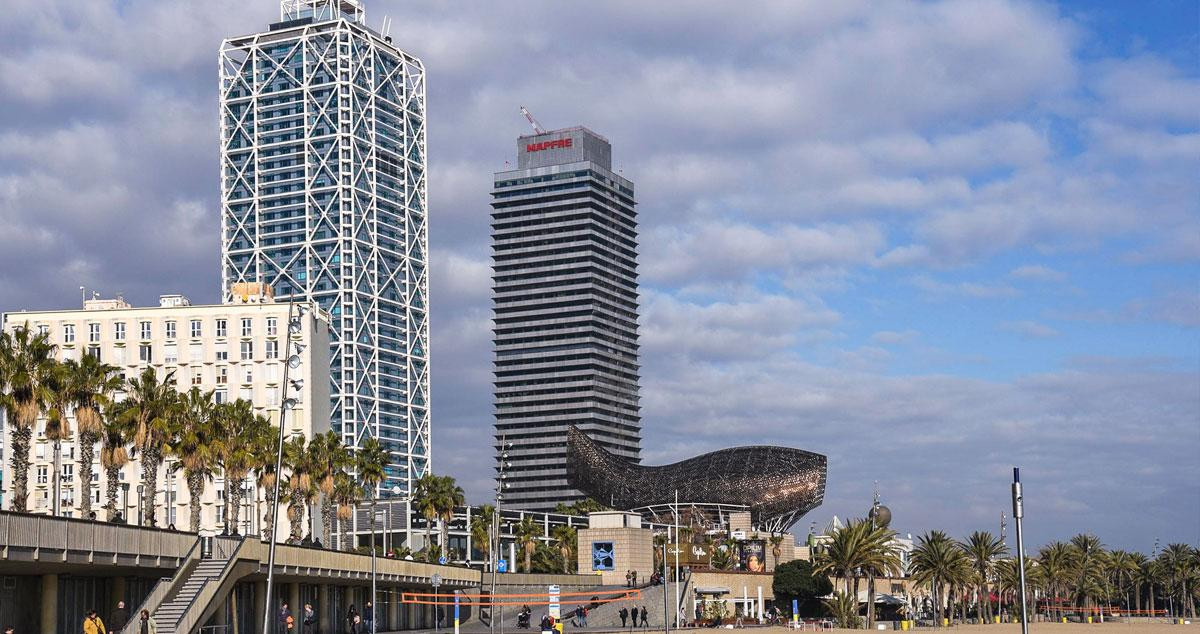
{"points": [[154, 600], [187, 619]]}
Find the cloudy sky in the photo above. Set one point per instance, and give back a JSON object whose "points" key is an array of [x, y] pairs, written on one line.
{"points": [[930, 240]]}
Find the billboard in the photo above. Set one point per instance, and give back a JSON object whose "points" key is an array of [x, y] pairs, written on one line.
{"points": [[752, 555], [602, 556]]}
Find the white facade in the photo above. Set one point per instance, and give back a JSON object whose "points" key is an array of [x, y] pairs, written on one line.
{"points": [[236, 350]]}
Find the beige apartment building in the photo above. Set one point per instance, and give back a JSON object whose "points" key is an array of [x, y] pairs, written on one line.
{"points": [[237, 350]]}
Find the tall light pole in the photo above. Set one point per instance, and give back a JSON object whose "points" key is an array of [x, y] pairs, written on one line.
{"points": [[294, 327], [1018, 513], [500, 486]]}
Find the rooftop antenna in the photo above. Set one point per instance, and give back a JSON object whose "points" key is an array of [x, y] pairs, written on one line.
{"points": [[386, 27], [537, 127], [82, 295]]}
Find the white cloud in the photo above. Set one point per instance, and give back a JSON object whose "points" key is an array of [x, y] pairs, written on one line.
{"points": [[1037, 273], [1029, 329]]}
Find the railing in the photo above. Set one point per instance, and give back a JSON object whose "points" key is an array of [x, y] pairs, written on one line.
{"points": [[208, 591], [61, 534], [154, 600]]}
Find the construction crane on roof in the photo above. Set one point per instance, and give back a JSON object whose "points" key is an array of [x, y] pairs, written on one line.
{"points": [[533, 122]]}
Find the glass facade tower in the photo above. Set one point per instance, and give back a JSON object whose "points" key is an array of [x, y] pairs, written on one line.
{"points": [[564, 250], [323, 196]]}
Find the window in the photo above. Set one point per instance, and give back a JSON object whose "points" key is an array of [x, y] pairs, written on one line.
{"points": [[93, 332], [272, 372], [68, 333], [246, 326], [222, 375], [144, 354], [195, 328], [249, 376], [272, 326], [68, 471], [196, 353], [247, 394], [221, 327], [119, 356], [272, 349], [222, 352], [170, 329], [43, 329], [171, 353], [220, 396], [119, 331], [43, 474], [94, 352], [145, 326], [272, 397], [197, 376], [247, 350]]}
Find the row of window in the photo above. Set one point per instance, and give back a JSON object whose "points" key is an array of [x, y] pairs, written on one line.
{"points": [[170, 329], [170, 353]]}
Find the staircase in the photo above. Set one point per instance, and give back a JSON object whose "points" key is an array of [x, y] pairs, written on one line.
{"points": [[606, 616], [168, 616]]}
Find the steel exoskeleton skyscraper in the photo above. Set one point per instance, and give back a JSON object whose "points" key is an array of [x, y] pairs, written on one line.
{"points": [[564, 250], [324, 197]]}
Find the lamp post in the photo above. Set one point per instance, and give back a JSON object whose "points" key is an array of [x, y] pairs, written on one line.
{"points": [[140, 497], [294, 327], [500, 486], [124, 501], [1019, 513]]}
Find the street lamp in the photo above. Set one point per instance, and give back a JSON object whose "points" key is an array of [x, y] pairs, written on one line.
{"points": [[500, 486], [396, 490], [124, 501], [140, 497]]}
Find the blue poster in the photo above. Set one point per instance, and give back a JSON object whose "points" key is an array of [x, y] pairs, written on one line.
{"points": [[602, 556]]}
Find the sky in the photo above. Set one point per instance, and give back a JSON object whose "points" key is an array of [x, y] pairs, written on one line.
{"points": [[930, 240]]}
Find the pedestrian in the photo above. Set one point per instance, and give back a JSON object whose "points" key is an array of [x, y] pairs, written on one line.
{"points": [[286, 621], [645, 613], [352, 620], [310, 618], [368, 617], [146, 624], [624, 614], [92, 624], [119, 617], [9, 630], [583, 610]]}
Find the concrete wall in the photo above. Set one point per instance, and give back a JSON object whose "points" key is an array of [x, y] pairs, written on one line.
{"points": [[633, 549]]}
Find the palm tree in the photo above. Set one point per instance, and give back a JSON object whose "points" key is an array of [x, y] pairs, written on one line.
{"points": [[196, 445], [1089, 558], [937, 562], [114, 438], [425, 501], [371, 461], [983, 549], [449, 496], [1057, 560], [95, 382], [329, 457], [1177, 563], [347, 493], [26, 363], [299, 484], [844, 609], [61, 397], [565, 539], [1122, 567], [528, 532], [776, 542], [1138, 578], [722, 555], [481, 531], [857, 548], [246, 440], [150, 404]]}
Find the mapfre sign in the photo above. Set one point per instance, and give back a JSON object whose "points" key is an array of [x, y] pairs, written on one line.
{"points": [[549, 145]]}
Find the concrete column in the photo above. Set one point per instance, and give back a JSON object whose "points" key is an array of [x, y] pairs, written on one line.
{"points": [[233, 609], [293, 599], [327, 621], [260, 602], [118, 594], [49, 604], [394, 609]]}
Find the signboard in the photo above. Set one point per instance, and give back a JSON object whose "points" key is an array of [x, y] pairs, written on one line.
{"points": [[555, 606], [442, 560], [602, 556], [752, 555], [502, 565], [691, 554]]}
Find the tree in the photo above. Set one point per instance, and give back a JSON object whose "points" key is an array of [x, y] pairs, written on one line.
{"points": [[938, 563], [482, 531], [114, 455], [299, 484], [196, 444], [723, 555], [844, 609], [565, 539], [580, 508], [245, 441], [776, 542], [448, 497], [798, 580], [1089, 566], [1178, 565], [61, 396], [95, 384], [425, 501], [983, 549], [347, 493], [1057, 560], [26, 364], [370, 462], [860, 547], [330, 457], [1122, 568], [150, 404], [528, 532]]}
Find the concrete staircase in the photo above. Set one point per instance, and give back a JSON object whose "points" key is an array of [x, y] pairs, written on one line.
{"points": [[607, 615], [169, 614]]}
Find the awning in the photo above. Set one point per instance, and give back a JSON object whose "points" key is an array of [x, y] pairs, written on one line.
{"points": [[711, 590]]}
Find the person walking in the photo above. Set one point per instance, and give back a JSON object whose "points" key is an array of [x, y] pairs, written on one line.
{"points": [[146, 624], [310, 619], [624, 614], [352, 620], [286, 621], [633, 578], [119, 617], [92, 624], [645, 614], [583, 610], [368, 617]]}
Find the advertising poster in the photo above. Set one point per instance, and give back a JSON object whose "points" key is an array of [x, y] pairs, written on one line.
{"points": [[753, 555], [602, 556]]}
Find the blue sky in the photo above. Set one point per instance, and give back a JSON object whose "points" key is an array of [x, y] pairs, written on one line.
{"points": [[931, 240]]}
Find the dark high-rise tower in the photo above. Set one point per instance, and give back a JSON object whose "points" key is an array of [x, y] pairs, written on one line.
{"points": [[564, 251]]}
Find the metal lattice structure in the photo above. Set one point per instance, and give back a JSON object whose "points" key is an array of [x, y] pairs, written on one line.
{"points": [[778, 484], [324, 197]]}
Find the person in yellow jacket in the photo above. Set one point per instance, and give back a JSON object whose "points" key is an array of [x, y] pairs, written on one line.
{"points": [[93, 625]]}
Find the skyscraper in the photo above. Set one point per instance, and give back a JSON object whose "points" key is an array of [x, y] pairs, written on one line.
{"points": [[323, 197], [564, 250]]}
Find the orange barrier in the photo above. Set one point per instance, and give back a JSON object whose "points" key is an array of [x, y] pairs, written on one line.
{"points": [[539, 598]]}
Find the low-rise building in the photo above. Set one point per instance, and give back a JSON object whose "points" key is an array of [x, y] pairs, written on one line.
{"points": [[237, 350]]}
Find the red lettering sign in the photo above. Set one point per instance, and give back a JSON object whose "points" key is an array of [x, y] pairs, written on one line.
{"points": [[548, 145]]}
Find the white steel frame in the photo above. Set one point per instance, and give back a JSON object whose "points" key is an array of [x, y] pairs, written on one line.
{"points": [[331, 112]]}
